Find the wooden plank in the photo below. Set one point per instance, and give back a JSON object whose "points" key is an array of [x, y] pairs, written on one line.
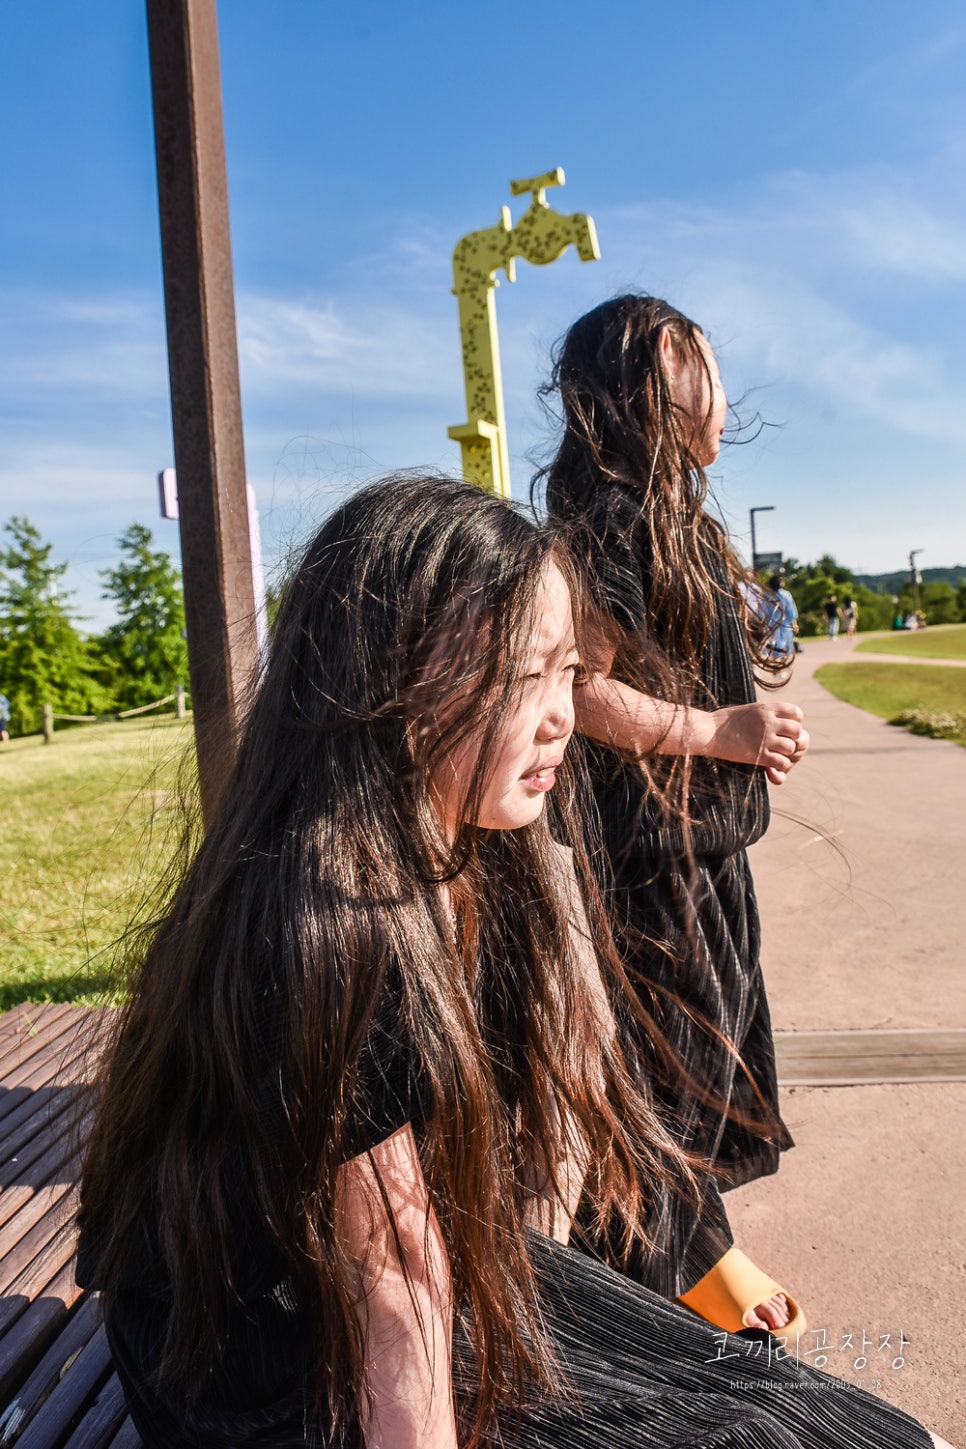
{"points": [[42, 1202], [39, 1172], [39, 1144], [60, 1050], [851, 1058], [23, 1046], [127, 1437], [42, 1110], [31, 1282], [63, 1035], [28, 1013], [34, 1029], [84, 1379], [53, 1365], [32, 1242], [35, 1327], [75, 1059], [45, 1083], [25, 1017], [99, 1423]]}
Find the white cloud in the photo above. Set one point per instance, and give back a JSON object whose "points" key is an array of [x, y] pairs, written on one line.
{"points": [[817, 284], [783, 332], [344, 346], [877, 219]]}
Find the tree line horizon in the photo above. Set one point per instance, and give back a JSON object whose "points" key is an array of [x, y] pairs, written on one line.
{"points": [[46, 657], [880, 597]]}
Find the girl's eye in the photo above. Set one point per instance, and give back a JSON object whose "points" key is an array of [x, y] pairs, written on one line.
{"points": [[576, 669]]}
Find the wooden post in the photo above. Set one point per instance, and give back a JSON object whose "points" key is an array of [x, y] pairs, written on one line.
{"points": [[48, 724], [179, 705], [203, 370]]}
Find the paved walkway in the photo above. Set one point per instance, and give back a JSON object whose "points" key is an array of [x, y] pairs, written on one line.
{"points": [[863, 901]]}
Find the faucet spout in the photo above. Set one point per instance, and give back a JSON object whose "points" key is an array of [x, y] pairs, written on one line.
{"points": [[542, 234]]}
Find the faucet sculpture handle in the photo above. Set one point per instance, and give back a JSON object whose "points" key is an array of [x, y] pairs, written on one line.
{"points": [[537, 185], [542, 234]]}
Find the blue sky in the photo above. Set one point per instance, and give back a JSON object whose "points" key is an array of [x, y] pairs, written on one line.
{"points": [[790, 175]]}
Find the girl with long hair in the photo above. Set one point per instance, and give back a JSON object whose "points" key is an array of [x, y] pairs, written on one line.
{"points": [[680, 780], [367, 1064]]}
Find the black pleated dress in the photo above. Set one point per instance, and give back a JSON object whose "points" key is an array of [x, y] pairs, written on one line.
{"points": [[638, 1372], [684, 911], [647, 1374]]}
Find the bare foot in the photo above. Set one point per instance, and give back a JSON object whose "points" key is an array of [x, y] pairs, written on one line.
{"points": [[773, 1313]]}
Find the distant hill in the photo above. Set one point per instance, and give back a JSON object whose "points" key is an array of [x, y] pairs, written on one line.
{"points": [[892, 583]]}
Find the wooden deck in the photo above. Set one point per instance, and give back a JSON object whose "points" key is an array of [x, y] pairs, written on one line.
{"points": [[857, 1058], [57, 1386]]}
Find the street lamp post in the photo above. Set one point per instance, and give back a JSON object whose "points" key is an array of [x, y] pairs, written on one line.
{"points": [[915, 578], [766, 508]]}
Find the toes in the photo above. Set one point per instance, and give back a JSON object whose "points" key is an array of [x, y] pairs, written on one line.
{"points": [[772, 1313]]}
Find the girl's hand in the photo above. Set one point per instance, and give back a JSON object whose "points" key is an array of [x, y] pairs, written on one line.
{"points": [[772, 735]]}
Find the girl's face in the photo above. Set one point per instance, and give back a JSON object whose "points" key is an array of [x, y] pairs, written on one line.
{"points": [[535, 732], [705, 404]]}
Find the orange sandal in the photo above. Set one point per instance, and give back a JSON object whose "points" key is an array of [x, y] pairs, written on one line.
{"points": [[732, 1290]]}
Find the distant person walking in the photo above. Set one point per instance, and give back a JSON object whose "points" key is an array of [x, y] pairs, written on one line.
{"points": [[833, 616], [784, 620], [4, 719], [850, 617]]}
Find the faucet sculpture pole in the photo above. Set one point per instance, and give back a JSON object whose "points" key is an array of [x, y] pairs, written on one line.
{"points": [[540, 236]]}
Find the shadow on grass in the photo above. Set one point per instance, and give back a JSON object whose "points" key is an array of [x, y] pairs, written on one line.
{"points": [[84, 986]]}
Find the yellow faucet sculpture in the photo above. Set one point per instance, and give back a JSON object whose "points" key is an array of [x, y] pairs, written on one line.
{"points": [[540, 236]]}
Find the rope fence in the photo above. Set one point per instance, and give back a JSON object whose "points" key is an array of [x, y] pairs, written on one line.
{"points": [[50, 714]]}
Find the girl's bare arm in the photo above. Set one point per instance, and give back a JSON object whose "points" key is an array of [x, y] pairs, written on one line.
{"points": [[767, 733], [404, 1298]]}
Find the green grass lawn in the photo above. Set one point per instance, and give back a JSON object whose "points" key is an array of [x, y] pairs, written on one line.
{"points": [[88, 822], [890, 689], [947, 641]]}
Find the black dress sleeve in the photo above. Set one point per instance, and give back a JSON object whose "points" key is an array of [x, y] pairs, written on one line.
{"points": [[390, 1083]]}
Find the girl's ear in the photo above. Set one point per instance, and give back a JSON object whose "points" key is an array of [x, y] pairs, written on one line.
{"points": [[665, 345]]}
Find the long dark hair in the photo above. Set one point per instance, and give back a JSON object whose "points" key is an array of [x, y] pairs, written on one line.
{"points": [[628, 471], [318, 883], [622, 425]]}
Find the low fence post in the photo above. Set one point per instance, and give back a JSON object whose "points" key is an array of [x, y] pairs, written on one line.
{"points": [[48, 724], [179, 706]]}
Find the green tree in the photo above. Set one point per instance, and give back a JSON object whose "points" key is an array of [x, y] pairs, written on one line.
{"points": [[876, 611], [939, 603], [43, 658], [810, 585], [145, 649]]}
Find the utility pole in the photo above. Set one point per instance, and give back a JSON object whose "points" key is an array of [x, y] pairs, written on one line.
{"points": [[203, 369], [916, 578]]}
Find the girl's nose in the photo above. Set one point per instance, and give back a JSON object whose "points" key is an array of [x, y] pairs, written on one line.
{"points": [[558, 717]]}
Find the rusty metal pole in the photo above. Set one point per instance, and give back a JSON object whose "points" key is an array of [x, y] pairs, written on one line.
{"points": [[203, 369]]}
